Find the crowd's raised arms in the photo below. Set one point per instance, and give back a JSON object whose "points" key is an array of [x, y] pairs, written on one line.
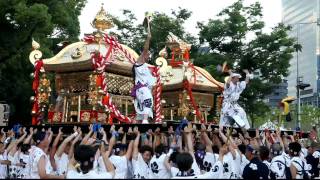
{"points": [[203, 153]]}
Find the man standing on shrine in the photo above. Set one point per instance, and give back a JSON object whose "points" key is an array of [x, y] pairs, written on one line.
{"points": [[144, 82], [231, 111]]}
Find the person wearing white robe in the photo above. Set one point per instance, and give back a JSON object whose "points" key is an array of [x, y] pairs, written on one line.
{"points": [[144, 82], [231, 94]]}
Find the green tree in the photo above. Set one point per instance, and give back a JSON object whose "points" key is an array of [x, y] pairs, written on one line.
{"points": [[310, 116], [236, 36], [48, 22], [132, 33]]}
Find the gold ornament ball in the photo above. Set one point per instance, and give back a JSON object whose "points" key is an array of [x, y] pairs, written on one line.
{"points": [[32, 98], [32, 75], [101, 92]]}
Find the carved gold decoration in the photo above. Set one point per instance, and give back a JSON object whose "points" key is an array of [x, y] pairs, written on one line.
{"points": [[85, 116], [44, 81], [102, 20], [184, 109], [119, 55], [102, 117], [163, 53], [35, 45], [176, 44], [57, 117], [165, 70], [44, 89], [35, 54], [77, 53]]}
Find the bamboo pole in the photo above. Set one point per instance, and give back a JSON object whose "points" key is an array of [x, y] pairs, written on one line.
{"points": [[64, 108], [79, 107], [206, 116], [126, 107], [67, 111]]}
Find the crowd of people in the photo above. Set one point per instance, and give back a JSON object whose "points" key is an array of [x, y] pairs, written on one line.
{"points": [[184, 152]]}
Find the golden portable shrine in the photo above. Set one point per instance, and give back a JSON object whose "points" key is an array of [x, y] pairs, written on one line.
{"points": [[93, 81]]}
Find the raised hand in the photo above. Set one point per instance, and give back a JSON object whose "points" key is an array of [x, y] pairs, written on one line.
{"points": [[150, 132], [102, 131], [130, 130], [194, 128], [221, 129], [11, 133], [257, 133], [157, 131], [31, 130], [24, 130], [50, 131], [203, 128], [209, 128], [112, 129], [187, 129], [278, 132], [136, 130], [216, 131], [75, 128], [170, 130], [120, 130], [79, 130], [60, 131]]}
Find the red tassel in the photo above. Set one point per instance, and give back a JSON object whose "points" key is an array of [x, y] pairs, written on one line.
{"points": [[186, 55], [105, 100], [35, 107], [34, 121], [172, 58], [35, 84], [99, 80], [111, 118]]}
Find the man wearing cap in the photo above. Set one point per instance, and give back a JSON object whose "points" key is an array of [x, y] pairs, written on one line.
{"points": [[255, 169], [230, 107]]}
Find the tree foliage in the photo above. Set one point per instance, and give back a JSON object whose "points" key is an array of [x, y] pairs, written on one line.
{"points": [[48, 22], [132, 33], [237, 36]]}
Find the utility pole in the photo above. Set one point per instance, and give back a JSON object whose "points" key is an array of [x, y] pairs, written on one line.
{"points": [[298, 124]]}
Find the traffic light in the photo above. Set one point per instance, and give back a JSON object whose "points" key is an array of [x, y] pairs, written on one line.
{"points": [[302, 86]]}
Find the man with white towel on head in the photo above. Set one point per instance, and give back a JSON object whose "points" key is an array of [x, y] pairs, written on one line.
{"points": [[231, 110]]}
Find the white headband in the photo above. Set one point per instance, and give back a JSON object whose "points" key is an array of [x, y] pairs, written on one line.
{"points": [[235, 75]]}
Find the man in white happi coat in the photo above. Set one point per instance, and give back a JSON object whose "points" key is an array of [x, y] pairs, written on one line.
{"points": [[231, 110], [144, 82]]}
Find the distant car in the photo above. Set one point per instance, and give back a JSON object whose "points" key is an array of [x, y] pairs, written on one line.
{"points": [[4, 114]]}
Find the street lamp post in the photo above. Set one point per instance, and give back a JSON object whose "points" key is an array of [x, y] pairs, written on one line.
{"points": [[298, 123]]}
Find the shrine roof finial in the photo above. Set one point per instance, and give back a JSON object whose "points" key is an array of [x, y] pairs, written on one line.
{"points": [[102, 20]]}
